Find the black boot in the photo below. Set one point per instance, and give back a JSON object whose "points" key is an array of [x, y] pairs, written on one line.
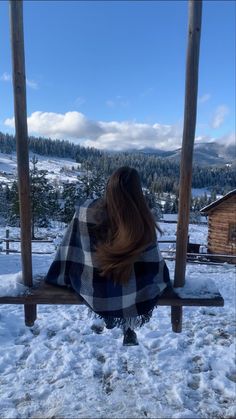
{"points": [[130, 338]]}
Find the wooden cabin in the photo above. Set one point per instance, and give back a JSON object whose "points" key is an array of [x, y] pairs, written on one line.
{"points": [[222, 226]]}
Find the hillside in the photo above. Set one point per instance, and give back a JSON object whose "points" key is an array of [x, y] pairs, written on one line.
{"points": [[205, 154], [159, 173]]}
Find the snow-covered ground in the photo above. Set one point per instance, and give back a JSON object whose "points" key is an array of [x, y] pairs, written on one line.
{"points": [[62, 368], [59, 169], [203, 191]]}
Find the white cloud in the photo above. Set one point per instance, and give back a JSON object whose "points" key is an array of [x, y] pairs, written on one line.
{"points": [[30, 83], [116, 136], [219, 116], [79, 101], [5, 77], [204, 98], [104, 135], [228, 139], [118, 101]]}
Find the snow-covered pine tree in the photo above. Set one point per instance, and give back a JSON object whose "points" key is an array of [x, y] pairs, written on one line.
{"points": [[92, 183], [4, 201], [39, 187], [175, 206], [70, 196], [12, 197], [153, 204], [168, 205]]}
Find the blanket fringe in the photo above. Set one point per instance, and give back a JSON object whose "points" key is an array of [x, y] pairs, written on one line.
{"points": [[132, 322]]}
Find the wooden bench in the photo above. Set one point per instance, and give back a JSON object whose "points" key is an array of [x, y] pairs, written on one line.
{"points": [[204, 295], [43, 293]]}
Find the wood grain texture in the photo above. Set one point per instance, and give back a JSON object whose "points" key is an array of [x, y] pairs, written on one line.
{"points": [[44, 293], [20, 111], [190, 115], [21, 133], [218, 228]]}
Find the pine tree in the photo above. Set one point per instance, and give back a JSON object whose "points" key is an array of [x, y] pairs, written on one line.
{"points": [[13, 217], [70, 196], [175, 206], [4, 201], [39, 188], [168, 205], [153, 204], [91, 184]]}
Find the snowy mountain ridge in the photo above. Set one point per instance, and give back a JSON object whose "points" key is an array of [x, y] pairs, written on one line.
{"points": [[205, 154]]}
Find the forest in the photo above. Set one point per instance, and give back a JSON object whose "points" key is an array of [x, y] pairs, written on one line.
{"points": [[158, 174], [50, 201]]}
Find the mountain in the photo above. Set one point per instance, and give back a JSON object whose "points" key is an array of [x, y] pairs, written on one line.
{"points": [[205, 154]]}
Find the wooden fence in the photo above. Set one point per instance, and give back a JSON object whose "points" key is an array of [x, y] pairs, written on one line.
{"points": [[193, 250], [9, 240]]}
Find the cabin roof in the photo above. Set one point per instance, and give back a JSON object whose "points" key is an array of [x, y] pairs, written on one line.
{"points": [[215, 204]]}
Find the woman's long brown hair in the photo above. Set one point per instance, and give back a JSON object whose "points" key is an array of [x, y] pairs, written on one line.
{"points": [[130, 226]]}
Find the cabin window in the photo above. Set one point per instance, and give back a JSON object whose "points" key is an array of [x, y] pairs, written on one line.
{"points": [[232, 232]]}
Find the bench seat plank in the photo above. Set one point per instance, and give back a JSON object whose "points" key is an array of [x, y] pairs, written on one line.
{"points": [[43, 293]]}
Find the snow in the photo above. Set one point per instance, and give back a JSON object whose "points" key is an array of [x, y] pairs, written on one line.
{"points": [[62, 368], [59, 169], [170, 217], [197, 286], [8, 163], [11, 284], [197, 234], [173, 218], [200, 192]]}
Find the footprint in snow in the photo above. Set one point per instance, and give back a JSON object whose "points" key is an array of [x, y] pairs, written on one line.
{"points": [[21, 361], [222, 337], [194, 382], [197, 365], [35, 330], [98, 329], [231, 376], [97, 326], [25, 354], [101, 358], [51, 333], [106, 383]]}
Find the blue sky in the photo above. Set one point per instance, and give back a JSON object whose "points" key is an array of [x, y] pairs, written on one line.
{"points": [[111, 73]]}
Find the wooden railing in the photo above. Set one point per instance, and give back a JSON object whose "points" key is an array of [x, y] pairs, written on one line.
{"points": [[9, 240], [168, 254]]}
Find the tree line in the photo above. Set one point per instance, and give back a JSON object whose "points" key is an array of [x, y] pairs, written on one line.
{"points": [[51, 201], [158, 174]]}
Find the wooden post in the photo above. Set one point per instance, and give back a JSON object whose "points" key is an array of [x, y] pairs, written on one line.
{"points": [[190, 113], [7, 241], [21, 132]]}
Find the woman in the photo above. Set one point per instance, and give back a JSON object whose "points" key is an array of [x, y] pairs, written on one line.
{"points": [[110, 256]]}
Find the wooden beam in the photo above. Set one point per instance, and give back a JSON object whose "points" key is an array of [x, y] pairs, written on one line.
{"points": [[21, 132], [30, 313], [44, 293], [190, 113]]}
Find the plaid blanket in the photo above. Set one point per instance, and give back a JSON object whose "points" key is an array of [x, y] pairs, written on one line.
{"points": [[75, 266]]}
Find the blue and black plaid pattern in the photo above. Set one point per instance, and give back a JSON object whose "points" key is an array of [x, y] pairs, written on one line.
{"points": [[75, 266]]}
